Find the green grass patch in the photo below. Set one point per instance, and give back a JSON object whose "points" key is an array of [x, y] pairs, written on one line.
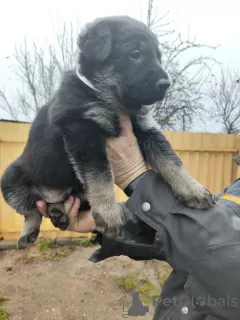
{"points": [[129, 283], [163, 272], [44, 245], [50, 250], [146, 289], [84, 242], [163, 277], [3, 314]]}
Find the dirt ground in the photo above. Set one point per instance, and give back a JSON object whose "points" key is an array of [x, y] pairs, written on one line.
{"points": [[60, 283]]}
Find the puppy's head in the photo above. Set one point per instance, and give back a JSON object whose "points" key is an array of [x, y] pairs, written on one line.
{"points": [[122, 54]]}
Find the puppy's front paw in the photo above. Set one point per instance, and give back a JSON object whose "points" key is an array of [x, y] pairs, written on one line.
{"points": [[109, 227], [189, 190], [58, 216], [194, 195], [114, 230], [27, 239]]}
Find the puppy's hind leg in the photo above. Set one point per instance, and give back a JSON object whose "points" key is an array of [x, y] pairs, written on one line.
{"points": [[17, 192], [31, 228]]}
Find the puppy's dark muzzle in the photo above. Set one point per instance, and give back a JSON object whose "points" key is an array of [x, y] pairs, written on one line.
{"points": [[163, 84]]}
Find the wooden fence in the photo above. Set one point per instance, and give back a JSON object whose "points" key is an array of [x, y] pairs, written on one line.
{"points": [[208, 157]]}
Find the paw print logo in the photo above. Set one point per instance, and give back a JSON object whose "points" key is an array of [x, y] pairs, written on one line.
{"points": [[199, 302]]}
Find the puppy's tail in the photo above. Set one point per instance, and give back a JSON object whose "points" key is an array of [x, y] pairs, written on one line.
{"points": [[16, 191]]}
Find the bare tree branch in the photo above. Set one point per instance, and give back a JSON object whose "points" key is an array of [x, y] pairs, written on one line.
{"points": [[39, 68], [7, 106], [188, 75], [225, 95]]}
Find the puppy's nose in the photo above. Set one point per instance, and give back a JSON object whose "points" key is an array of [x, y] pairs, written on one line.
{"points": [[163, 84]]}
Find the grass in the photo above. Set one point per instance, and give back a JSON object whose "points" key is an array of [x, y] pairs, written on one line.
{"points": [[84, 242], [163, 272], [48, 249], [48, 254], [163, 278], [146, 289], [44, 245], [3, 313]]}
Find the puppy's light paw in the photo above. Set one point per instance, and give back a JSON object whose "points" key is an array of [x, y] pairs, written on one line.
{"points": [[110, 228], [113, 231], [194, 195]]}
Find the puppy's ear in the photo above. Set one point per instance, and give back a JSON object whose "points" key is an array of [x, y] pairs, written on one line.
{"points": [[95, 41]]}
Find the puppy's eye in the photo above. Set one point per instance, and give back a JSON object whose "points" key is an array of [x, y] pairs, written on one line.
{"points": [[135, 55]]}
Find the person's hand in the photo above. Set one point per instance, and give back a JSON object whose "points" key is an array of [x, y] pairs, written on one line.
{"points": [[125, 156], [78, 221]]}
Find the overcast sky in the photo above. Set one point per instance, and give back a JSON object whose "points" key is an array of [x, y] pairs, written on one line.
{"points": [[212, 22]]}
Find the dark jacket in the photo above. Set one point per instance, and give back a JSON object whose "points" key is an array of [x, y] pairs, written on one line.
{"points": [[202, 246]]}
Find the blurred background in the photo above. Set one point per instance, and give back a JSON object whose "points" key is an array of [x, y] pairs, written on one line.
{"points": [[199, 40]]}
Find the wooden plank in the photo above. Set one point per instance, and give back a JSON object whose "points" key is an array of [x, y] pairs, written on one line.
{"points": [[206, 150], [208, 157], [48, 234], [14, 132]]}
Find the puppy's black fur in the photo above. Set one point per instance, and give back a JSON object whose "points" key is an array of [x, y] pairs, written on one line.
{"points": [[65, 153]]}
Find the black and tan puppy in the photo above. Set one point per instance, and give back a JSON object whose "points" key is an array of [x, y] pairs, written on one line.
{"points": [[120, 71]]}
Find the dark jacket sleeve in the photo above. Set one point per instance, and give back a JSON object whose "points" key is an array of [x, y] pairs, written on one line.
{"points": [[139, 233], [144, 231], [202, 245]]}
